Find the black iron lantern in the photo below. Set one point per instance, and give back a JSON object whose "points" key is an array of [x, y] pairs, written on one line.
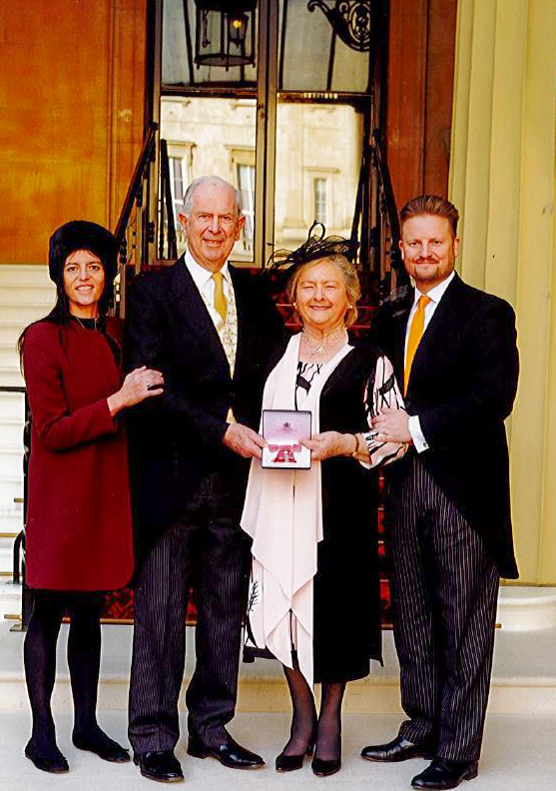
{"points": [[225, 33]]}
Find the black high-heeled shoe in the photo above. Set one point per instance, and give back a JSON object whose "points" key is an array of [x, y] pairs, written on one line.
{"points": [[289, 763], [323, 768]]}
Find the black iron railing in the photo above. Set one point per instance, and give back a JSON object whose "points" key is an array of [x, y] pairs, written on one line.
{"points": [[18, 557], [138, 199], [167, 241]]}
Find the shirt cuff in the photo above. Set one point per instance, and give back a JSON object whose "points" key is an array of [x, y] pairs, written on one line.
{"points": [[414, 428]]}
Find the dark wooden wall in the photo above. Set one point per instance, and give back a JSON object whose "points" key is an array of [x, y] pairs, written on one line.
{"points": [[420, 92]]}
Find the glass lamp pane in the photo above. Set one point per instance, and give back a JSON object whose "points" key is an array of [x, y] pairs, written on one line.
{"points": [[178, 50]]}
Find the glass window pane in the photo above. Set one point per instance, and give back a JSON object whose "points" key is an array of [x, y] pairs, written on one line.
{"points": [[318, 160], [219, 136], [313, 57]]}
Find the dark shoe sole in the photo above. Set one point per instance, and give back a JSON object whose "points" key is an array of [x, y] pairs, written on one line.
{"points": [[470, 775], [200, 752], [328, 772], [397, 759], [149, 776], [291, 764], [114, 760], [51, 770]]}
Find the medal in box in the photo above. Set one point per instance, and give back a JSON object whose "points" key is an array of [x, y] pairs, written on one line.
{"points": [[283, 429]]}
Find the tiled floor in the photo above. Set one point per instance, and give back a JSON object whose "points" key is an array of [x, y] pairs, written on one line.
{"points": [[518, 754]]}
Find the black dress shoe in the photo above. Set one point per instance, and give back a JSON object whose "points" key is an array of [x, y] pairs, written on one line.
{"points": [[443, 774], [161, 765], [289, 763], [109, 751], [229, 753], [398, 749], [55, 763], [324, 768]]}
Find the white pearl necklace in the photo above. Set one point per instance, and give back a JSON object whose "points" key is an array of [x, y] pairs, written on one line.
{"points": [[323, 345]]}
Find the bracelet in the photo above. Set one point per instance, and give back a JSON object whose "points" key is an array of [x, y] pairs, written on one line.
{"points": [[356, 438]]}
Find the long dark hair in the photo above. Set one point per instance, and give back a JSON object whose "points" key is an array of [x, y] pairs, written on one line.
{"points": [[76, 235]]}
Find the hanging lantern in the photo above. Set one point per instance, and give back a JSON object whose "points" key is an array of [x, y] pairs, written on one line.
{"points": [[225, 33]]}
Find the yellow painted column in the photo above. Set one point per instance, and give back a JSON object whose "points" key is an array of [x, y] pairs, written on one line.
{"points": [[503, 181]]}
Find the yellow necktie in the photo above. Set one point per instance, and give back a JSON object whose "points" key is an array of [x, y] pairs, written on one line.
{"points": [[220, 301], [415, 334]]}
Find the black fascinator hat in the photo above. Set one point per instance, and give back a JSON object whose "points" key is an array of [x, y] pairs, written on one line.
{"points": [[317, 246], [82, 235]]}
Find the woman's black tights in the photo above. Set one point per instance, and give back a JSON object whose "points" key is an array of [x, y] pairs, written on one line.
{"points": [[306, 730], [84, 642]]}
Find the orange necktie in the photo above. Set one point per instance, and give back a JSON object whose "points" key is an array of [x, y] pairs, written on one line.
{"points": [[220, 301], [415, 334]]}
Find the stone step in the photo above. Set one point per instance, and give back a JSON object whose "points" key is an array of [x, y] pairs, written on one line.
{"points": [[11, 487], [262, 687], [12, 406], [12, 522], [8, 354], [12, 292], [11, 430], [10, 599], [10, 330], [11, 457], [24, 312], [6, 558], [526, 609], [10, 376], [25, 274]]}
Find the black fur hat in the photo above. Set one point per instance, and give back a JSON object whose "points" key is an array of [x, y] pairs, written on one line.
{"points": [[82, 235]]}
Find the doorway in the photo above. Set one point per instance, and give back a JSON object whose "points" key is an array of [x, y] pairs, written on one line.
{"points": [[291, 130]]}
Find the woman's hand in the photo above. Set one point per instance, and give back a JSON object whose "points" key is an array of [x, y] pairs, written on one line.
{"points": [[392, 425], [141, 383], [329, 444]]}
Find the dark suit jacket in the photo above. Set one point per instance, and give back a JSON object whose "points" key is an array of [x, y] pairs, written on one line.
{"points": [[462, 386], [176, 438]]}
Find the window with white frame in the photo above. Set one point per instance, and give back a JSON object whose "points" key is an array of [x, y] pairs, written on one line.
{"points": [[246, 185], [320, 193], [178, 182], [179, 165]]}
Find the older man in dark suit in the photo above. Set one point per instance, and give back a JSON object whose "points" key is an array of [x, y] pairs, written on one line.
{"points": [[208, 327], [454, 347]]}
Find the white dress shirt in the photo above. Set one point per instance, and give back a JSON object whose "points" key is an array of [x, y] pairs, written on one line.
{"points": [[206, 285], [435, 295], [228, 330]]}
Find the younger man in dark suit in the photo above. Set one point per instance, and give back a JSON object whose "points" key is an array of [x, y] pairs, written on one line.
{"points": [[454, 347], [208, 327]]}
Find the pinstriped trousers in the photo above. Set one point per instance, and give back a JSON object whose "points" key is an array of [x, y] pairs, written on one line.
{"points": [[444, 594], [206, 549]]}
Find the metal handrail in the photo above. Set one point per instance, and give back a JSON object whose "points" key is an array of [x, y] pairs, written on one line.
{"points": [[142, 163], [166, 206], [18, 565], [389, 204]]}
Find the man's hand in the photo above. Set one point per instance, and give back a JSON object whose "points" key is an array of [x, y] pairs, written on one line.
{"points": [[329, 444], [243, 441], [392, 426]]}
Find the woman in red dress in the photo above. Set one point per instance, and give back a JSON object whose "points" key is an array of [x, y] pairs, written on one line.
{"points": [[78, 526]]}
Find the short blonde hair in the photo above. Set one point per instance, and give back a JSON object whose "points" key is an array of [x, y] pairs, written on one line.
{"points": [[349, 277]]}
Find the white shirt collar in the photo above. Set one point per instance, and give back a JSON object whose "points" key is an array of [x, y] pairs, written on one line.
{"points": [[200, 275], [436, 293]]}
